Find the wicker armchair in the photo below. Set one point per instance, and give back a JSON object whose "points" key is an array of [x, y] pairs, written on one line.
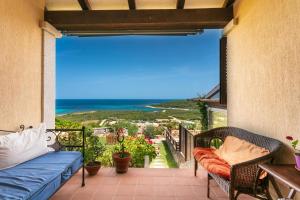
{"points": [[244, 176]]}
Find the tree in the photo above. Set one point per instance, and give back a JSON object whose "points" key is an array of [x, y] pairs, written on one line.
{"points": [[130, 127]]}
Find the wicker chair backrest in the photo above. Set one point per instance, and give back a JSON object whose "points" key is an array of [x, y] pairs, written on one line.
{"points": [[269, 143]]}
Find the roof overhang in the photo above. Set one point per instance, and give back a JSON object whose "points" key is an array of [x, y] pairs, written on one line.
{"points": [[85, 18], [109, 21], [214, 103]]}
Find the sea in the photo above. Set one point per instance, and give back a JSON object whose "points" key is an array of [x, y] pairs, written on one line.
{"points": [[67, 106]]}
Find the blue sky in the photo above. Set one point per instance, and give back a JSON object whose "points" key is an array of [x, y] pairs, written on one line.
{"points": [[137, 67]]}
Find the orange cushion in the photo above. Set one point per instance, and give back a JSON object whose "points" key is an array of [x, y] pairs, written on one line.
{"points": [[211, 162], [199, 151], [233, 151]]}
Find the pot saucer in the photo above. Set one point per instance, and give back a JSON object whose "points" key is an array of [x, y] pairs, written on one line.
{"points": [[298, 169]]}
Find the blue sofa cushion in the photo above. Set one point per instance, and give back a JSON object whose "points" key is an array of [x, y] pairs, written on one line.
{"points": [[39, 178]]}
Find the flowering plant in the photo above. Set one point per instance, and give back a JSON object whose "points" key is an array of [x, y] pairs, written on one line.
{"points": [[294, 143], [120, 138]]}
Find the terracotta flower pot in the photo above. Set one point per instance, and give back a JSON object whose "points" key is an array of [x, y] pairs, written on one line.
{"points": [[121, 164], [93, 167]]}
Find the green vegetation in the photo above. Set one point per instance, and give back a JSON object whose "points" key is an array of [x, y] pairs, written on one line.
{"points": [[172, 125], [167, 155], [185, 104], [216, 143], [139, 148], [131, 128], [152, 131], [106, 158], [61, 123], [203, 115], [94, 149], [131, 115]]}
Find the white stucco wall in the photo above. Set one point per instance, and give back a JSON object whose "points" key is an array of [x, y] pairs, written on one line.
{"points": [[20, 63], [264, 70]]}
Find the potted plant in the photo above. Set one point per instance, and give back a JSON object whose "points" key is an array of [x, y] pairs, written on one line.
{"points": [[294, 143], [95, 148], [121, 158]]}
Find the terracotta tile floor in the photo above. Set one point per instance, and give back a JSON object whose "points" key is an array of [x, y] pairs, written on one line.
{"points": [[141, 184]]}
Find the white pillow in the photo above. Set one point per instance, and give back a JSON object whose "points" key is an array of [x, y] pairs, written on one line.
{"points": [[16, 148]]}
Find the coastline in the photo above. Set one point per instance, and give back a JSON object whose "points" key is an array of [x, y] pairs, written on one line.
{"points": [[118, 107], [148, 106], [167, 108]]}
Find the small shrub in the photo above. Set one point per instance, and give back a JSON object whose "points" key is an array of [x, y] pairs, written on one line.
{"points": [[130, 127], [149, 131], [152, 131], [94, 149], [138, 147], [106, 158]]}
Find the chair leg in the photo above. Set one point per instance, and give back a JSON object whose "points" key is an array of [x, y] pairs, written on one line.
{"points": [[195, 167], [268, 195], [236, 196], [83, 177], [231, 194], [208, 185]]}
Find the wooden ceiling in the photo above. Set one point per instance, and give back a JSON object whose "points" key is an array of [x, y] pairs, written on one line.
{"points": [[118, 17]]}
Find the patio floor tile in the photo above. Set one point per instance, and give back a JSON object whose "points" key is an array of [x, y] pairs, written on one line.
{"points": [[141, 184]]}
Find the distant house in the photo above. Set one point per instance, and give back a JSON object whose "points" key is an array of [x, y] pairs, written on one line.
{"points": [[101, 131], [217, 112]]}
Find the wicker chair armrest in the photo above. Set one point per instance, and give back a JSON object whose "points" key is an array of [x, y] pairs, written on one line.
{"points": [[203, 139], [247, 174]]}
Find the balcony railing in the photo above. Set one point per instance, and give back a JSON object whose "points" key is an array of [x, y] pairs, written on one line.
{"points": [[186, 143], [175, 143], [183, 145]]}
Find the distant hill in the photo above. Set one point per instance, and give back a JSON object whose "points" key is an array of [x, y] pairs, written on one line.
{"points": [[184, 104]]}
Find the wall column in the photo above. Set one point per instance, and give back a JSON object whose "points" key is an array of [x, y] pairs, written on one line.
{"points": [[49, 76]]}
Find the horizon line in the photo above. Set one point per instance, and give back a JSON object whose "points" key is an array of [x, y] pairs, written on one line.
{"points": [[121, 98]]}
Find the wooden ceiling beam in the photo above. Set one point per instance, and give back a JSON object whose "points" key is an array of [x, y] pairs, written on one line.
{"points": [[93, 20], [131, 4], [228, 3], [180, 4], [85, 4]]}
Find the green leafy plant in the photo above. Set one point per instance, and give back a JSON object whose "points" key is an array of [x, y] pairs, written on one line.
{"points": [[203, 115], [120, 139], [94, 149], [138, 147], [294, 143], [106, 157], [216, 143]]}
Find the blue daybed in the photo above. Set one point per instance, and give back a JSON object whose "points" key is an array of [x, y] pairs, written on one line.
{"points": [[40, 178]]}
